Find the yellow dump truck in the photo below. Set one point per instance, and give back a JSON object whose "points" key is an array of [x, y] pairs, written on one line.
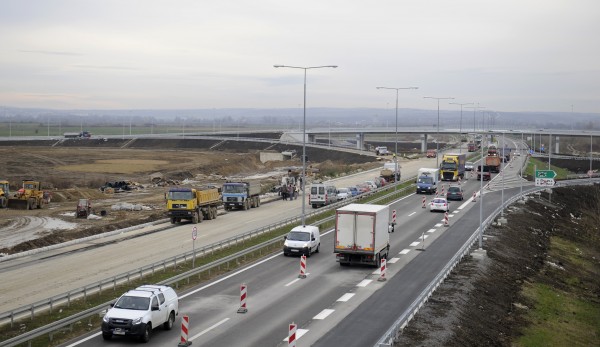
{"points": [[4, 193], [29, 197], [193, 204]]}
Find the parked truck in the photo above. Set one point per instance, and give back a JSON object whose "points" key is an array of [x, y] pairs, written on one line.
{"points": [[241, 195], [427, 180], [362, 234], [4, 193], [193, 204], [453, 166], [388, 172], [494, 162]]}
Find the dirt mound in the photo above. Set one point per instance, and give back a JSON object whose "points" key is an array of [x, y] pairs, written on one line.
{"points": [[483, 303]]}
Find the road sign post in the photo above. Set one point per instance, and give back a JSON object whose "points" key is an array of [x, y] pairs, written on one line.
{"points": [[194, 236]]}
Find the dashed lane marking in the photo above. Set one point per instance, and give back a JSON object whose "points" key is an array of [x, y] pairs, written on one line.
{"points": [[324, 314], [299, 333], [393, 260], [345, 297], [209, 329], [364, 283], [404, 251]]}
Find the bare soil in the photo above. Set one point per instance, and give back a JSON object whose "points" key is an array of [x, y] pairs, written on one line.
{"points": [[482, 302]]}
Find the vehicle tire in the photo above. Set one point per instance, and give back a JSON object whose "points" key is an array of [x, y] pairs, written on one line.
{"points": [[107, 336], [168, 325], [307, 254], [173, 220], [258, 201], [318, 246], [314, 206], [215, 213], [3, 202], [195, 218], [145, 337], [343, 264], [40, 204], [246, 205], [227, 208]]}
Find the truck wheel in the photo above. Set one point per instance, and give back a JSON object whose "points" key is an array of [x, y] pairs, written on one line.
{"points": [[30, 204], [168, 325], [173, 220], [215, 212], [246, 205], [39, 203], [107, 336], [257, 201], [146, 335], [195, 218], [3, 202]]}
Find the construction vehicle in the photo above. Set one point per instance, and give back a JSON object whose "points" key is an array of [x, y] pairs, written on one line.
{"points": [[453, 166], [388, 172], [4, 194], [29, 197], [84, 208], [193, 204], [244, 195], [494, 162]]}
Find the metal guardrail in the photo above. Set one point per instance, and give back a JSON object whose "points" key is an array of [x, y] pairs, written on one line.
{"points": [[390, 336], [139, 273]]}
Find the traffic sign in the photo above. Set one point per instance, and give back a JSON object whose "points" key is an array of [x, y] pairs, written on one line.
{"points": [[194, 233], [545, 174], [544, 182]]}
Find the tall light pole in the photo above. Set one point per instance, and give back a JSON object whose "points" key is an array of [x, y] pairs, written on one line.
{"points": [[474, 108], [304, 131], [460, 131], [437, 140], [396, 139]]}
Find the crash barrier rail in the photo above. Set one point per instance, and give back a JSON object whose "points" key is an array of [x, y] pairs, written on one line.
{"points": [[110, 284], [390, 336]]}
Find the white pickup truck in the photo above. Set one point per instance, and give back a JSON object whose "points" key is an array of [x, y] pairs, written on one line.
{"points": [[139, 311]]}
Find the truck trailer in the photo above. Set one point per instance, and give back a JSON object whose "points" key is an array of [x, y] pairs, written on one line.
{"points": [[362, 234], [453, 166], [242, 195], [193, 204], [494, 162]]}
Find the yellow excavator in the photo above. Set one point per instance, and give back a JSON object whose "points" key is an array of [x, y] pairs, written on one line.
{"points": [[4, 193], [28, 197]]}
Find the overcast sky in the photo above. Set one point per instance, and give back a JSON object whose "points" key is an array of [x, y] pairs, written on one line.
{"points": [[510, 55]]}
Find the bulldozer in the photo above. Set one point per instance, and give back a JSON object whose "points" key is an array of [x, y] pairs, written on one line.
{"points": [[4, 194], [28, 197], [84, 208]]}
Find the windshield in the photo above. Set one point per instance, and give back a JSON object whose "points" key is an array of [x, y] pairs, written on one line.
{"points": [[453, 190], [425, 180], [233, 188], [298, 236], [133, 303], [485, 168], [181, 195], [450, 166]]}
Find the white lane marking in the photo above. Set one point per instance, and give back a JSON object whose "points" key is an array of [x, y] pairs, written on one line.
{"points": [[393, 260], [431, 230], [412, 214], [345, 297], [326, 312], [84, 340], [376, 272], [424, 237], [465, 204], [456, 211], [404, 251], [364, 283], [240, 271], [414, 244], [299, 333], [450, 215], [208, 329], [292, 282], [438, 225]]}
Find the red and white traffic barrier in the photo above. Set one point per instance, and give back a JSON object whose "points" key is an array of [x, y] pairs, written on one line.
{"points": [[459, 180], [243, 296], [302, 267], [185, 324], [443, 190], [446, 222], [423, 203], [292, 335], [474, 197], [383, 268]]}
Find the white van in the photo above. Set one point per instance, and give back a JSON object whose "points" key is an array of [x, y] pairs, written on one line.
{"points": [[322, 195], [302, 240]]}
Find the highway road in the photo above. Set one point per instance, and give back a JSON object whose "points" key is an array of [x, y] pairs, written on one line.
{"points": [[333, 306], [35, 277]]}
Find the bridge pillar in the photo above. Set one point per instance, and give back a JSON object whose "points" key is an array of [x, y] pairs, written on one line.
{"points": [[556, 140], [310, 138], [360, 141], [423, 143]]}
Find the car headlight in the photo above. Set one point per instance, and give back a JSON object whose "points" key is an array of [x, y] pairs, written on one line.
{"points": [[136, 321], [285, 244], [105, 319], [305, 245]]}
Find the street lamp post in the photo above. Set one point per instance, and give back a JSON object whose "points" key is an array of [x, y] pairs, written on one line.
{"points": [[474, 108], [304, 132], [460, 126], [437, 140], [396, 138]]}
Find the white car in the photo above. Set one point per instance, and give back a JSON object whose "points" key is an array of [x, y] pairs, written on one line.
{"points": [[371, 184], [439, 204], [469, 166], [343, 193], [517, 154]]}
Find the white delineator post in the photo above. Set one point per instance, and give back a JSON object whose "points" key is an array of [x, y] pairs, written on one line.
{"points": [[474, 197], [446, 223], [302, 267], [185, 322], [382, 277], [243, 296], [292, 335]]}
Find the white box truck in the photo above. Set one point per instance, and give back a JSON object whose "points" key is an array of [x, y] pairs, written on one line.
{"points": [[362, 234]]}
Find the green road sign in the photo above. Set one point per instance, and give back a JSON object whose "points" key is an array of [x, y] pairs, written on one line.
{"points": [[545, 174]]}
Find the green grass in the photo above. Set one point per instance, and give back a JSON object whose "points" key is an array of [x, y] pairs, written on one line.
{"points": [[543, 165]]}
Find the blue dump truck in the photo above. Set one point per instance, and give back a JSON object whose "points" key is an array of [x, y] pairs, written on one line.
{"points": [[427, 180], [242, 195]]}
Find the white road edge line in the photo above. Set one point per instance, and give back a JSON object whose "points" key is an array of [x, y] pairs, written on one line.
{"points": [[208, 329], [438, 225], [414, 244], [412, 214], [431, 230], [292, 282]]}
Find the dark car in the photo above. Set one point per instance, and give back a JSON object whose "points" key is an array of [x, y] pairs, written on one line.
{"points": [[455, 193]]}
